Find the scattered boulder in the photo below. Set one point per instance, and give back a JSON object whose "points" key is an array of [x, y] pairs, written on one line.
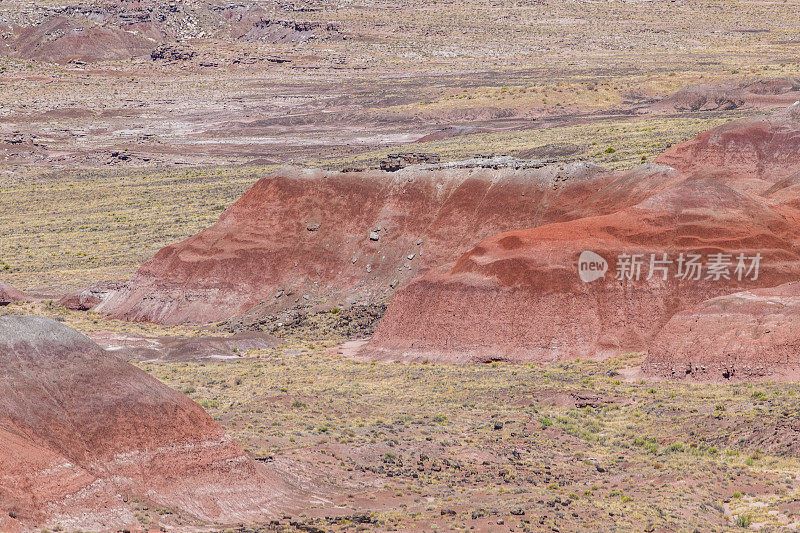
{"points": [[172, 52], [290, 31], [579, 399], [746, 336], [20, 138], [394, 162], [82, 432]]}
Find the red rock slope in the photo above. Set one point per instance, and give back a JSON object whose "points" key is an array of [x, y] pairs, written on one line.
{"points": [[750, 335], [306, 237], [9, 294], [763, 146], [81, 432], [764, 93], [60, 40], [517, 295]]}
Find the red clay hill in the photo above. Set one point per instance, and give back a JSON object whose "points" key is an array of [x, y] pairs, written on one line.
{"points": [[759, 147], [9, 294], [518, 296], [313, 238], [750, 335], [61, 39], [305, 238], [82, 433], [759, 94], [123, 29]]}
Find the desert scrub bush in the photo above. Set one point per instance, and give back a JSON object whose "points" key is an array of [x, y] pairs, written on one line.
{"points": [[758, 396], [652, 448], [744, 520], [675, 447]]}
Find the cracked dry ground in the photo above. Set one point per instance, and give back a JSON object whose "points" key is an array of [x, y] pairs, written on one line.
{"points": [[562, 447]]}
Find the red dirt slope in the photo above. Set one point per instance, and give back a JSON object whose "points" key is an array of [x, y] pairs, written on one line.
{"points": [[765, 146], [310, 238], [764, 93], [61, 40], [90, 297], [9, 294], [82, 431], [751, 335], [517, 296]]}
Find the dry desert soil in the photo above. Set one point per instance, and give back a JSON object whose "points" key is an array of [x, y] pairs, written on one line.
{"points": [[221, 176]]}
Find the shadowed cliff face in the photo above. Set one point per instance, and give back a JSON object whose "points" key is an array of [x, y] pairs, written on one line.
{"points": [[82, 431]]}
